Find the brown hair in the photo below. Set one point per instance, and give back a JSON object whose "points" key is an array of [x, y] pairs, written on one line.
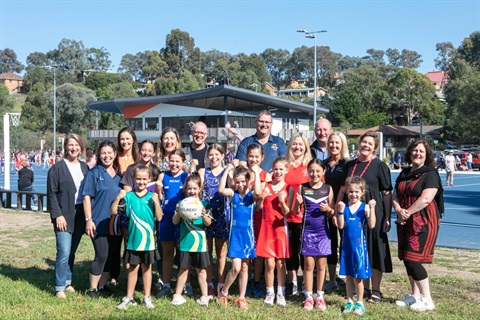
{"points": [[161, 149], [429, 157], [373, 135], [77, 138]]}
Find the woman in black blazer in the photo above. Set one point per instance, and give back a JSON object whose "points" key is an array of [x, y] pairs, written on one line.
{"points": [[66, 210]]}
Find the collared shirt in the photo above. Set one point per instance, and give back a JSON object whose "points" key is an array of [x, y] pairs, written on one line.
{"points": [[102, 189], [322, 155], [274, 147]]}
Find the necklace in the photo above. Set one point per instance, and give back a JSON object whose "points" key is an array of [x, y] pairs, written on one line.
{"points": [[363, 172]]}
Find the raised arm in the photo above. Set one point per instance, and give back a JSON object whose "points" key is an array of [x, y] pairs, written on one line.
{"points": [[222, 186], [339, 215], [370, 213]]}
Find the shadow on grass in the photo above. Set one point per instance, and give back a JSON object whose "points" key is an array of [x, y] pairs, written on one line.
{"points": [[43, 279]]}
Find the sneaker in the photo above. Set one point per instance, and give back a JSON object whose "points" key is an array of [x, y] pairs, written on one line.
{"points": [[281, 300], [223, 300], [348, 307], [359, 309], [422, 305], [178, 300], [241, 303], [203, 301], [159, 284], [126, 302], [269, 299], [164, 292], [258, 291], [291, 289], [105, 292], [308, 304], [147, 302], [60, 295], [249, 290], [407, 301], [320, 304], [331, 286], [92, 293], [70, 289], [188, 290], [447, 184]]}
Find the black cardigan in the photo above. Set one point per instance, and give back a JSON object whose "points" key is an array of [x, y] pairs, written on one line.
{"points": [[61, 193]]}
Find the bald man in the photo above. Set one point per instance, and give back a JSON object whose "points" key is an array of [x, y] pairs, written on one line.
{"points": [[198, 148], [323, 129]]}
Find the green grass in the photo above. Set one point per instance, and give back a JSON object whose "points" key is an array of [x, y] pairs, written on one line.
{"points": [[26, 287]]}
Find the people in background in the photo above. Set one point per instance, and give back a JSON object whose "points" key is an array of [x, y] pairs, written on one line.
{"points": [[25, 183]]}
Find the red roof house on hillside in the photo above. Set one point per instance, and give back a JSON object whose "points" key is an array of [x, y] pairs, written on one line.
{"points": [[438, 78], [12, 81]]}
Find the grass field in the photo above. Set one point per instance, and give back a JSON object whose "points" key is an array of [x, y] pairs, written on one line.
{"points": [[27, 253]]}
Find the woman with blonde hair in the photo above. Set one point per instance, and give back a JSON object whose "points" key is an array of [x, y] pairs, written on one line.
{"points": [[298, 155], [338, 155]]}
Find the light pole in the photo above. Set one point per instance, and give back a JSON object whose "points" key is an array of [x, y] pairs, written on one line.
{"points": [[313, 35], [54, 110]]}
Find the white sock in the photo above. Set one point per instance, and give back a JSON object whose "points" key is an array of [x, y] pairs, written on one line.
{"points": [[320, 294], [219, 285], [309, 295], [295, 283], [270, 290], [281, 290]]}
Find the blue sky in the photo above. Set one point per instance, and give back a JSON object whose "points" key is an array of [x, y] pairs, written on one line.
{"points": [[238, 26]]}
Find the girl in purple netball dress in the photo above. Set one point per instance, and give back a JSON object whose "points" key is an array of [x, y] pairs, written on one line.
{"points": [[317, 197]]}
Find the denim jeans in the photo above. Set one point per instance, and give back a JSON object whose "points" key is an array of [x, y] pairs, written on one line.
{"points": [[67, 244], [34, 196]]}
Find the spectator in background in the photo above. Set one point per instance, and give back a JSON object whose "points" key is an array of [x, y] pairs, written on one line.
{"points": [[469, 161], [450, 168], [91, 158], [399, 160], [273, 146], [25, 183]]}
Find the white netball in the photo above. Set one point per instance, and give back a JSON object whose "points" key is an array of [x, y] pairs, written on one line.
{"points": [[190, 208]]}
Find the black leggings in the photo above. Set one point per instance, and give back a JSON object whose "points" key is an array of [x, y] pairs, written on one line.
{"points": [[296, 259], [416, 270], [334, 232], [101, 263]]}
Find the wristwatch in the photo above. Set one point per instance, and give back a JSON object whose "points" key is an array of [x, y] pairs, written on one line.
{"points": [[88, 218]]}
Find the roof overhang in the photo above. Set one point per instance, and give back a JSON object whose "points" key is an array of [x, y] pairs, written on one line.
{"points": [[222, 97]]}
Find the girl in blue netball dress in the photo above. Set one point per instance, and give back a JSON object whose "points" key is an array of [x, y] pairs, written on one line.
{"points": [[241, 244], [170, 185], [217, 231], [317, 197], [354, 262]]}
